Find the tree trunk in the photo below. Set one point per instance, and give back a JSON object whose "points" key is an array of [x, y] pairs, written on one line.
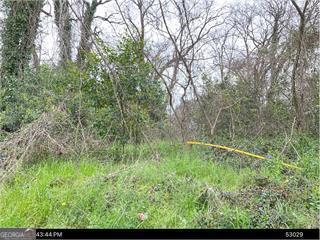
{"points": [[296, 100], [19, 34], [63, 22], [84, 45]]}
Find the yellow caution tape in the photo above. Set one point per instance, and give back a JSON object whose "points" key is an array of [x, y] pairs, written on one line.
{"points": [[239, 151]]}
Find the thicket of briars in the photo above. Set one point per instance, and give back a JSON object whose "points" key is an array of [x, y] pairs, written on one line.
{"points": [[134, 73]]}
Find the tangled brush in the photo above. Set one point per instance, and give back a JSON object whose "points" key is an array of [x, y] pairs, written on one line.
{"points": [[52, 132]]}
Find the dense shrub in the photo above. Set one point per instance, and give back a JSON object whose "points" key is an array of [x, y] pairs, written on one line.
{"points": [[116, 102]]}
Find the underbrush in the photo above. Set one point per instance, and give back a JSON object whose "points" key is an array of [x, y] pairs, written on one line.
{"points": [[165, 185]]}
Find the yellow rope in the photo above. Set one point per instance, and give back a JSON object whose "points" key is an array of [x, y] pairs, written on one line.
{"points": [[240, 151]]}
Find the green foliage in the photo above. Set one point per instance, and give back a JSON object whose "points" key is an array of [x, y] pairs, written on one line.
{"points": [[15, 25], [18, 36], [235, 109], [116, 104], [22, 100], [125, 98]]}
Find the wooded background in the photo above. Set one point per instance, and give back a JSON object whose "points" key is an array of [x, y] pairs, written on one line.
{"points": [[138, 69]]}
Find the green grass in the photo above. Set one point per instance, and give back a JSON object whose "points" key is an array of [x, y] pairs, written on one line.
{"points": [[182, 189]]}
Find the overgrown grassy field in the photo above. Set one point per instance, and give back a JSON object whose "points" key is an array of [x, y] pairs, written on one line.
{"points": [[181, 187]]}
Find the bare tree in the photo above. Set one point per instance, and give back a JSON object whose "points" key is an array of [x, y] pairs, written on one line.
{"points": [[196, 20]]}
